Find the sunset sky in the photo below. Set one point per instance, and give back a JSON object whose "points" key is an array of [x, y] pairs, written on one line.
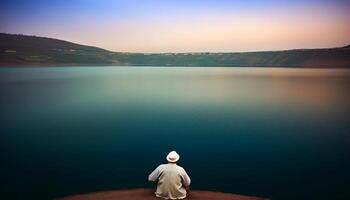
{"points": [[183, 25]]}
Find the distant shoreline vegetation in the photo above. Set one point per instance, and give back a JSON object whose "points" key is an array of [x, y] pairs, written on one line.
{"points": [[22, 50]]}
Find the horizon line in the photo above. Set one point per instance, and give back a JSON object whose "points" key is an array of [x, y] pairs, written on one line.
{"points": [[184, 52]]}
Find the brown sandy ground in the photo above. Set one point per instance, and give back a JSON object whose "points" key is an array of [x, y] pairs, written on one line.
{"points": [[148, 194]]}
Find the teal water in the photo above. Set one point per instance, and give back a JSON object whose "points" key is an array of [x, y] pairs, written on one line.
{"points": [[272, 132]]}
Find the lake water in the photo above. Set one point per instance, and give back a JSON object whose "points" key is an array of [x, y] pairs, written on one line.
{"points": [[272, 132]]}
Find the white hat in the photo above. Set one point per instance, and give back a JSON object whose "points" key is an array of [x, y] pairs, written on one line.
{"points": [[173, 156]]}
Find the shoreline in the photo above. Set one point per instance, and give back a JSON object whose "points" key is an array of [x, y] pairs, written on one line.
{"points": [[148, 194]]}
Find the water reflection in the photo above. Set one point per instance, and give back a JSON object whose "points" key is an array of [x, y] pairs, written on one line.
{"points": [[72, 127]]}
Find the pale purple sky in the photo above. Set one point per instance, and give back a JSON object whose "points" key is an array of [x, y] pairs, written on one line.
{"points": [[183, 25]]}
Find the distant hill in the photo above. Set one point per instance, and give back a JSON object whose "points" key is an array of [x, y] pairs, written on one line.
{"points": [[31, 50]]}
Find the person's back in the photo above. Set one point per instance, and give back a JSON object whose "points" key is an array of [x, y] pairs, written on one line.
{"points": [[172, 179]]}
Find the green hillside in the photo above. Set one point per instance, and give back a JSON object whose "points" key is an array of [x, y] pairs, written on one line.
{"points": [[32, 50]]}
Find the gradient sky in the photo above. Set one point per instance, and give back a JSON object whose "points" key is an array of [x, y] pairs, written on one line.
{"points": [[183, 25]]}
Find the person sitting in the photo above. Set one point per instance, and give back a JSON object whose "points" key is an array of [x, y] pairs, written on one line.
{"points": [[173, 181]]}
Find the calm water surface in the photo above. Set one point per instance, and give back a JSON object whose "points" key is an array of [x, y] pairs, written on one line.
{"points": [[272, 132]]}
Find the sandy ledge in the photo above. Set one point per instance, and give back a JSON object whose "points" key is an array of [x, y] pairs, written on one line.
{"points": [[148, 194]]}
